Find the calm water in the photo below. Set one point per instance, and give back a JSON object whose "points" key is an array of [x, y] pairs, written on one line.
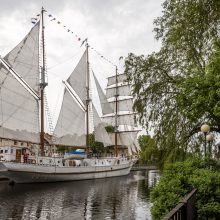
{"points": [[114, 198]]}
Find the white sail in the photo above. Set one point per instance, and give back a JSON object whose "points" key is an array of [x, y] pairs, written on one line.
{"points": [[70, 127], [121, 78], [123, 119], [126, 139], [24, 58], [19, 110], [137, 145], [99, 129], [107, 108], [77, 79], [123, 105], [123, 90]]}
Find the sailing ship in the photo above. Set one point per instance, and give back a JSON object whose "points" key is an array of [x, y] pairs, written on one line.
{"points": [[22, 92]]}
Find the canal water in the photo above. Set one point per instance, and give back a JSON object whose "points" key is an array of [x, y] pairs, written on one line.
{"points": [[124, 198]]}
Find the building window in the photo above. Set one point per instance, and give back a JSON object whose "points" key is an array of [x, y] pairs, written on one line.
{"points": [[15, 142], [22, 143], [1, 151], [11, 151], [6, 151]]}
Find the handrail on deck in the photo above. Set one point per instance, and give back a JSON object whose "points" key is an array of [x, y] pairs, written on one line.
{"points": [[185, 210]]}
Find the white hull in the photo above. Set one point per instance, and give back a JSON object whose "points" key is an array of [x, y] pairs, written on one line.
{"points": [[32, 173]]}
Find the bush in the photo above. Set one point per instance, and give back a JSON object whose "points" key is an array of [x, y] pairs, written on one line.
{"points": [[180, 178]]}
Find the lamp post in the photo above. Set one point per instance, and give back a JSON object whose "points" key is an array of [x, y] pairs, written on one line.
{"points": [[210, 139], [205, 129]]}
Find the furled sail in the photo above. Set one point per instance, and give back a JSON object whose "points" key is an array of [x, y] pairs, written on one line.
{"points": [[77, 79], [19, 110], [99, 129], [70, 127]]}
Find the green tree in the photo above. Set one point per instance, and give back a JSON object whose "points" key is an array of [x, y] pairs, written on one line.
{"points": [[95, 146], [179, 179], [177, 89], [149, 152]]}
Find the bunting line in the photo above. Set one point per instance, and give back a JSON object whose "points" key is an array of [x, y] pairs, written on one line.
{"points": [[54, 19]]}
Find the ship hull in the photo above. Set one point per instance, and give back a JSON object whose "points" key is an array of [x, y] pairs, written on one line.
{"points": [[28, 173]]}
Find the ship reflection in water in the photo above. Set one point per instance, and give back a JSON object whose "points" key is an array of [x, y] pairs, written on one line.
{"points": [[114, 198]]}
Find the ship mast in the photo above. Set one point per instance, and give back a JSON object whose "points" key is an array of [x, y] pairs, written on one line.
{"points": [[43, 84], [116, 112], [88, 97]]}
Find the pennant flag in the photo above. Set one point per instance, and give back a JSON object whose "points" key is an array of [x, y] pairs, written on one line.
{"points": [[50, 16], [121, 57], [33, 20], [68, 30], [58, 22], [38, 15], [79, 39], [53, 19], [83, 42]]}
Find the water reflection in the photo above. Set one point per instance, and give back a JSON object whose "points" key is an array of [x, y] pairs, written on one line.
{"points": [[115, 198]]}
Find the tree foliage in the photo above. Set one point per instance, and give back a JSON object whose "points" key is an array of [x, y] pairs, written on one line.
{"points": [[177, 88], [149, 151], [179, 179], [97, 147]]}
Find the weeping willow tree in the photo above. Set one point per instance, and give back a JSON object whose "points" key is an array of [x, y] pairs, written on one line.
{"points": [[177, 89]]}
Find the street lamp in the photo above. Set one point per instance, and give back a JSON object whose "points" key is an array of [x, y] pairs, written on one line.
{"points": [[210, 139], [205, 129]]}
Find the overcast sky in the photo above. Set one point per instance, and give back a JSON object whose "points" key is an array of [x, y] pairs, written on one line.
{"points": [[114, 28]]}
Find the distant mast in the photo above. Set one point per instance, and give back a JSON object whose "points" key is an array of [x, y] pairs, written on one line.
{"points": [[87, 96], [43, 84], [116, 112]]}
